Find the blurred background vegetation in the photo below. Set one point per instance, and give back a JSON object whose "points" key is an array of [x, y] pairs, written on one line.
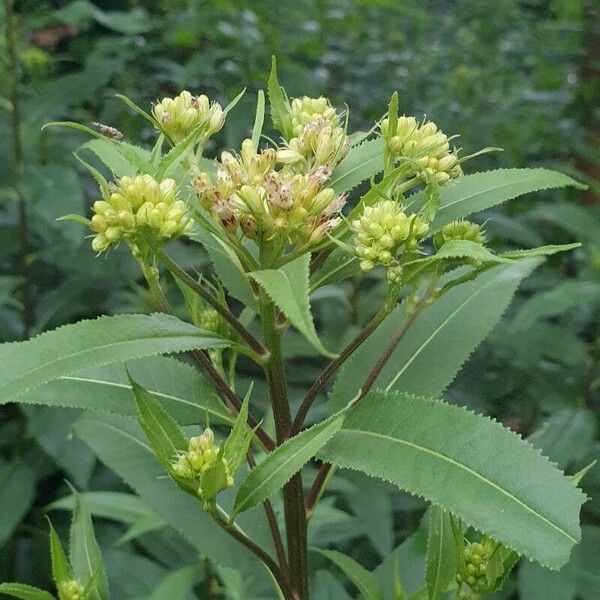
{"points": [[522, 75]]}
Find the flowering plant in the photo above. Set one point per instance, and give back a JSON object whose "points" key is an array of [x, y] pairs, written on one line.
{"points": [[281, 220]]}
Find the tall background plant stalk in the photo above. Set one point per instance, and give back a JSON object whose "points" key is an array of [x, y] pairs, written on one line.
{"points": [[22, 258]]}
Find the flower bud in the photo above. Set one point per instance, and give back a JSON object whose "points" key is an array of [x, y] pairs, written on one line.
{"points": [[459, 230], [70, 590]]}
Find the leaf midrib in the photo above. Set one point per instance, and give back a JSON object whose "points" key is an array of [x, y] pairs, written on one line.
{"points": [[465, 468]]}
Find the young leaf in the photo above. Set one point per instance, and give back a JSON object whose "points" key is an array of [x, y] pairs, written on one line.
{"points": [[25, 592], [86, 344], [441, 553], [470, 465], [86, 558], [176, 154], [238, 442], [439, 341], [280, 111], [259, 119], [288, 288], [61, 569], [164, 435], [358, 575], [280, 465], [474, 193], [140, 111], [108, 152], [361, 163]]}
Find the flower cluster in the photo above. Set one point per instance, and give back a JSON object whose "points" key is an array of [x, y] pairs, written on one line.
{"points": [[185, 113], [202, 457], [427, 148], [269, 205], [318, 137], [70, 590], [474, 570], [459, 230], [384, 229], [139, 205]]}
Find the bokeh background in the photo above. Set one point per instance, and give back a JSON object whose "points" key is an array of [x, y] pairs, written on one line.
{"points": [[521, 75]]}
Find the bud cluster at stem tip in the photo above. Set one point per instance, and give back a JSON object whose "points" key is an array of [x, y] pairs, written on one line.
{"points": [[70, 590], [425, 145], [181, 115], [318, 137], [383, 230], [459, 230], [139, 206], [474, 570], [268, 205]]}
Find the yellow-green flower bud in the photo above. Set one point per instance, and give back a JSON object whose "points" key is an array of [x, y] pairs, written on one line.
{"points": [[473, 571], [70, 590], [181, 115], [459, 230]]}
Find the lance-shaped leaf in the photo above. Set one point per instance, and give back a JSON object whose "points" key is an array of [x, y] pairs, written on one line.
{"points": [[441, 553], [164, 435], [25, 592], [439, 341], [280, 112], [86, 558], [468, 464], [259, 119], [61, 569], [361, 163], [179, 387], [64, 351], [177, 585], [357, 574], [541, 250], [280, 465], [474, 193], [288, 288]]}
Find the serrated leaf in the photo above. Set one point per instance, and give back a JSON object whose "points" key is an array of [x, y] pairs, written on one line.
{"points": [[278, 103], [288, 288], [178, 152], [179, 387], [541, 250], [108, 152], [280, 465], [61, 569], [361, 163], [86, 344], [164, 435], [25, 592], [338, 265], [474, 193], [259, 119], [176, 585], [119, 444], [439, 341], [468, 464], [358, 575], [240, 437], [86, 557], [441, 553]]}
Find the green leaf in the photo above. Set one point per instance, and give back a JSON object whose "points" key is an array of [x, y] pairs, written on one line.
{"points": [[361, 163], [288, 288], [181, 389], [178, 152], [25, 592], [105, 340], [441, 553], [280, 111], [17, 493], [86, 558], [140, 111], [474, 193], [541, 250], [358, 575], [119, 444], [108, 152], [338, 265], [468, 464], [61, 569], [177, 585], [164, 435], [439, 341], [259, 119], [280, 465], [240, 437]]}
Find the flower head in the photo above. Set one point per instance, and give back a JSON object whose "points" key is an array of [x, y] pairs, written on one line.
{"points": [[459, 230], [181, 115], [70, 589]]}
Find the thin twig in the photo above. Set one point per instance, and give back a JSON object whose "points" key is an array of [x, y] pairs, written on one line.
{"points": [[184, 277]]}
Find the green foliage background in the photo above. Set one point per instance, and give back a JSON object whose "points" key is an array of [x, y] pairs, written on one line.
{"points": [[522, 75]]}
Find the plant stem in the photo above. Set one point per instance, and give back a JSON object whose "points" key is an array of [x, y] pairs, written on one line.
{"points": [[13, 94], [332, 368], [293, 494], [322, 476], [184, 277], [201, 358], [240, 536]]}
